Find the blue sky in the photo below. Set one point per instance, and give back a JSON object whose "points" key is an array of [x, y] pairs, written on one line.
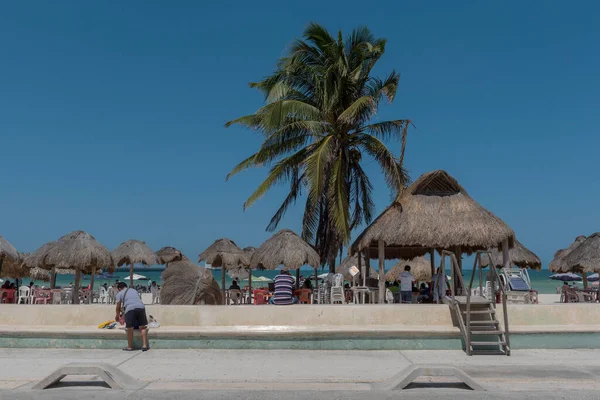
{"points": [[112, 113]]}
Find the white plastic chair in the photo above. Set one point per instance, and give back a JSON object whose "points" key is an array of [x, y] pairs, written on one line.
{"points": [[24, 294], [103, 295], [337, 290]]}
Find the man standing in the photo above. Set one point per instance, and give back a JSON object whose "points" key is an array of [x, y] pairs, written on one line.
{"points": [[406, 282], [284, 285], [135, 314]]}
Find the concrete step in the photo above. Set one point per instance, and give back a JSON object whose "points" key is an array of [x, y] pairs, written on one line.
{"points": [[490, 332], [498, 343]]}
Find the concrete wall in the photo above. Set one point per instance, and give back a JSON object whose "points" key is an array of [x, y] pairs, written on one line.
{"points": [[314, 315]]}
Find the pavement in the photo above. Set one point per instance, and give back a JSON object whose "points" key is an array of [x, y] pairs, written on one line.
{"points": [[290, 374]]}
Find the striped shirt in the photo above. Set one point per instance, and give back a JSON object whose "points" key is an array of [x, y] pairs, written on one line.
{"points": [[283, 290]]}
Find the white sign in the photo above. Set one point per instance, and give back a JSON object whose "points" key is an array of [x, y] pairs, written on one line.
{"points": [[354, 271]]}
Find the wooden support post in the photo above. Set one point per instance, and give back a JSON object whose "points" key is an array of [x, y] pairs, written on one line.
{"points": [[458, 279], [381, 251], [361, 270], [298, 278], [250, 286], [75, 299], [223, 284], [432, 261], [131, 275], [367, 267], [585, 280], [91, 291], [53, 278]]}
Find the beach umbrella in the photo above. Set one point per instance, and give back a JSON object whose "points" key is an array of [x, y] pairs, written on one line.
{"points": [[187, 283], [259, 279], [520, 256], [77, 250], [167, 255], [434, 213], [133, 252], [286, 249], [420, 268], [224, 253], [566, 277], [137, 277], [559, 263], [593, 277], [8, 254]]}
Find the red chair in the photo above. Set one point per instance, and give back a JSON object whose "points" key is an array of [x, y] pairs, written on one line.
{"points": [[260, 297], [41, 296], [8, 296]]}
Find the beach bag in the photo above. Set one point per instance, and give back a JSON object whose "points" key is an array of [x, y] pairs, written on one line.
{"points": [[153, 323], [389, 296]]}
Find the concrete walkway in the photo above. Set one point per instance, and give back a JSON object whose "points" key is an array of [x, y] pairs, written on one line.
{"points": [[289, 374]]}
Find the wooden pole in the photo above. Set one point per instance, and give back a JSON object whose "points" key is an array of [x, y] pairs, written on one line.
{"points": [[298, 278], [249, 286], [432, 261], [223, 284], [75, 299], [455, 277], [367, 267], [91, 292], [131, 275], [361, 271], [53, 278], [381, 250], [585, 280]]}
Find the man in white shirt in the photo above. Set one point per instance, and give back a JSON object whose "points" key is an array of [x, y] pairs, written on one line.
{"points": [[406, 281]]}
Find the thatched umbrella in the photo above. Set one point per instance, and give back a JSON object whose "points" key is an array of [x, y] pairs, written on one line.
{"points": [[586, 256], [420, 268], [520, 256], [226, 254], [168, 255], [558, 264], [187, 283], [287, 249], [77, 250], [8, 253], [39, 274], [434, 213], [133, 252]]}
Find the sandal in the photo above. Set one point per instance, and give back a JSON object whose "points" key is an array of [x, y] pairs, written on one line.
{"points": [[127, 349], [145, 348]]}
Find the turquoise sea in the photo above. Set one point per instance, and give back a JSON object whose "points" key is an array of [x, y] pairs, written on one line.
{"points": [[539, 279]]}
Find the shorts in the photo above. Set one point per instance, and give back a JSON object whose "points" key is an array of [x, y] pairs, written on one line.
{"points": [[136, 318]]}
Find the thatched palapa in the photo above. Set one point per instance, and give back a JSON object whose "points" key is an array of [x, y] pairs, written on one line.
{"points": [[558, 264], [226, 254], [78, 250], [286, 249], [8, 251], [420, 268], [187, 283], [133, 252], [168, 255], [586, 256], [435, 212], [520, 256], [15, 268]]}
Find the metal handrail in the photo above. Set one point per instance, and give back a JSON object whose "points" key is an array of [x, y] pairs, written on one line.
{"points": [[458, 273]]}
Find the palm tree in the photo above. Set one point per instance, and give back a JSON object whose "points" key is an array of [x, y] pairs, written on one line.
{"points": [[317, 124]]}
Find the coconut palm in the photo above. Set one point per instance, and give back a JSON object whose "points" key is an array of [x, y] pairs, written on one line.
{"points": [[317, 124]]}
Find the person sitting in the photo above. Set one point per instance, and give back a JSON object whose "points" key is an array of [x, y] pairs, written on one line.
{"points": [[284, 285], [307, 284], [234, 286], [424, 294], [6, 284]]}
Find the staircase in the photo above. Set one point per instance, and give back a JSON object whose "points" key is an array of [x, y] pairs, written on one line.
{"points": [[485, 335], [476, 315]]}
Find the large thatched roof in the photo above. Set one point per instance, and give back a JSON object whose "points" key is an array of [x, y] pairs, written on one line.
{"points": [[76, 250], [519, 255], [558, 264], [420, 268], [187, 283], [434, 212], [168, 255], [224, 253], [586, 256], [287, 249], [8, 251], [15, 268], [39, 274], [134, 252], [352, 261]]}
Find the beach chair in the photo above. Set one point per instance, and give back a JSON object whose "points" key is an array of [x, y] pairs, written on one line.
{"points": [[583, 297], [337, 290], [24, 295], [303, 295], [56, 296], [260, 297], [41, 296]]}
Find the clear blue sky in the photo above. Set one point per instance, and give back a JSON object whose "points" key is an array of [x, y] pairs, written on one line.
{"points": [[112, 112]]}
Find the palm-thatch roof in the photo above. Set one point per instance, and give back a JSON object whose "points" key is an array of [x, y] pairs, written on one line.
{"points": [[558, 264], [420, 268], [435, 212], [352, 261], [8, 251], [586, 256], [519, 255], [134, 252], [187, 283], [15, 268], [287, 249], [168, 255], [243, 270], [76, 250], [224, 253], [39, 274]]}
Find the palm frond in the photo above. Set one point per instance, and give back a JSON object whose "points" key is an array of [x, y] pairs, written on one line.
{"points": [[316, 167]]}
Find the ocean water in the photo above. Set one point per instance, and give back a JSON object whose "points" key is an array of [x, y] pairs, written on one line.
{"points": [[539, 279]]}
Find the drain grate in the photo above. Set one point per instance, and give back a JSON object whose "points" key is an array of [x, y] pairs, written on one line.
{"points": [[406, 378], [110, 374]]}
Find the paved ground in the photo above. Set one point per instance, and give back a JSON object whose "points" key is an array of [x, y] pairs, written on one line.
{"points": [[211, 374]]}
